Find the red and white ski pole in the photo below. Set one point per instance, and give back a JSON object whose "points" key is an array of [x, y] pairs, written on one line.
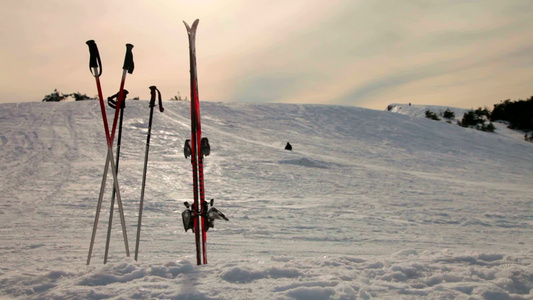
{"points": [[95, 66]]}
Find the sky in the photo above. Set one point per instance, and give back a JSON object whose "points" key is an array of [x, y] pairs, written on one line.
{"points": [[358, 53]]}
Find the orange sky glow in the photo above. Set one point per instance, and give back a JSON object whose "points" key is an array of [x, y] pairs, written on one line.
{"points": [[360, 53]]}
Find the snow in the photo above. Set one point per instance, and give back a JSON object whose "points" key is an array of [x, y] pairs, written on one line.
{"points": [[369, 204], [417, 110]]}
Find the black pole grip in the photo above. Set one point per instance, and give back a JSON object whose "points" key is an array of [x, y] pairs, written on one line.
{"points": [[94, 60], [128, 60], [113, 103], [161, 109], [153, 89], [152, 95]]}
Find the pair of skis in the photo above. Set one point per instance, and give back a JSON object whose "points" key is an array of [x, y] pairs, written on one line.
{"points": [[196, 150], [197, 216]]}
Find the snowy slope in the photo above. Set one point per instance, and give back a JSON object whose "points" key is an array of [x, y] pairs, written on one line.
{"points": [[420, 112], [369, 204]]}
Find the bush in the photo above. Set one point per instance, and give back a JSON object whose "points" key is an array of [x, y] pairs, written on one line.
{"points": [[431, 115], [54, 97], [178, 97], [448, 114], [519, 113], [57, 96], [476, 118], [488, 128], [529, 138], [79, 96], [470, 119], [480, 112]]}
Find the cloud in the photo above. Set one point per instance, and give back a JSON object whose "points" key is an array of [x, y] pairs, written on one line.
{"points": [[266, 88], [373, 51], [361, 53]]}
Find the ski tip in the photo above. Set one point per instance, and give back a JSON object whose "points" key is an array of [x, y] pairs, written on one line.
{"points": [[193, 27], [187, 26]]}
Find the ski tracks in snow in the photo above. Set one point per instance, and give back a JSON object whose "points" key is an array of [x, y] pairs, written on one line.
{"points": [[37, 151], [37, 185]]}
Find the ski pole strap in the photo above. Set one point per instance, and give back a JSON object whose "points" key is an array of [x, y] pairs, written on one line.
{"points": [[153, 89], [94, 61], [113, 103], [128, 60]]}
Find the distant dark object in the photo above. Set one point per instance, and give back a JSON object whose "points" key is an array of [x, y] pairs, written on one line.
{"points": [[409, 103], [288, 146]]}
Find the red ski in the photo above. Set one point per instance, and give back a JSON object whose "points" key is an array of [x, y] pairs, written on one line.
{"points": [[196, 157], [198, 217]]}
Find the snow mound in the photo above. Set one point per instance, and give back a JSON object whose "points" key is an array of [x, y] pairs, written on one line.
{"points": [[436, 275]]}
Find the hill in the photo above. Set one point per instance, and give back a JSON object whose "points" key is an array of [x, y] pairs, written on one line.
{"points": [[502, 127], [418, 110], [368, 204]]}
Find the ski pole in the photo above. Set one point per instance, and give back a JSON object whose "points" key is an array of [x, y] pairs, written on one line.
{"points": [[95, 66], [113, 104], [127, 67], [153, 89]]}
